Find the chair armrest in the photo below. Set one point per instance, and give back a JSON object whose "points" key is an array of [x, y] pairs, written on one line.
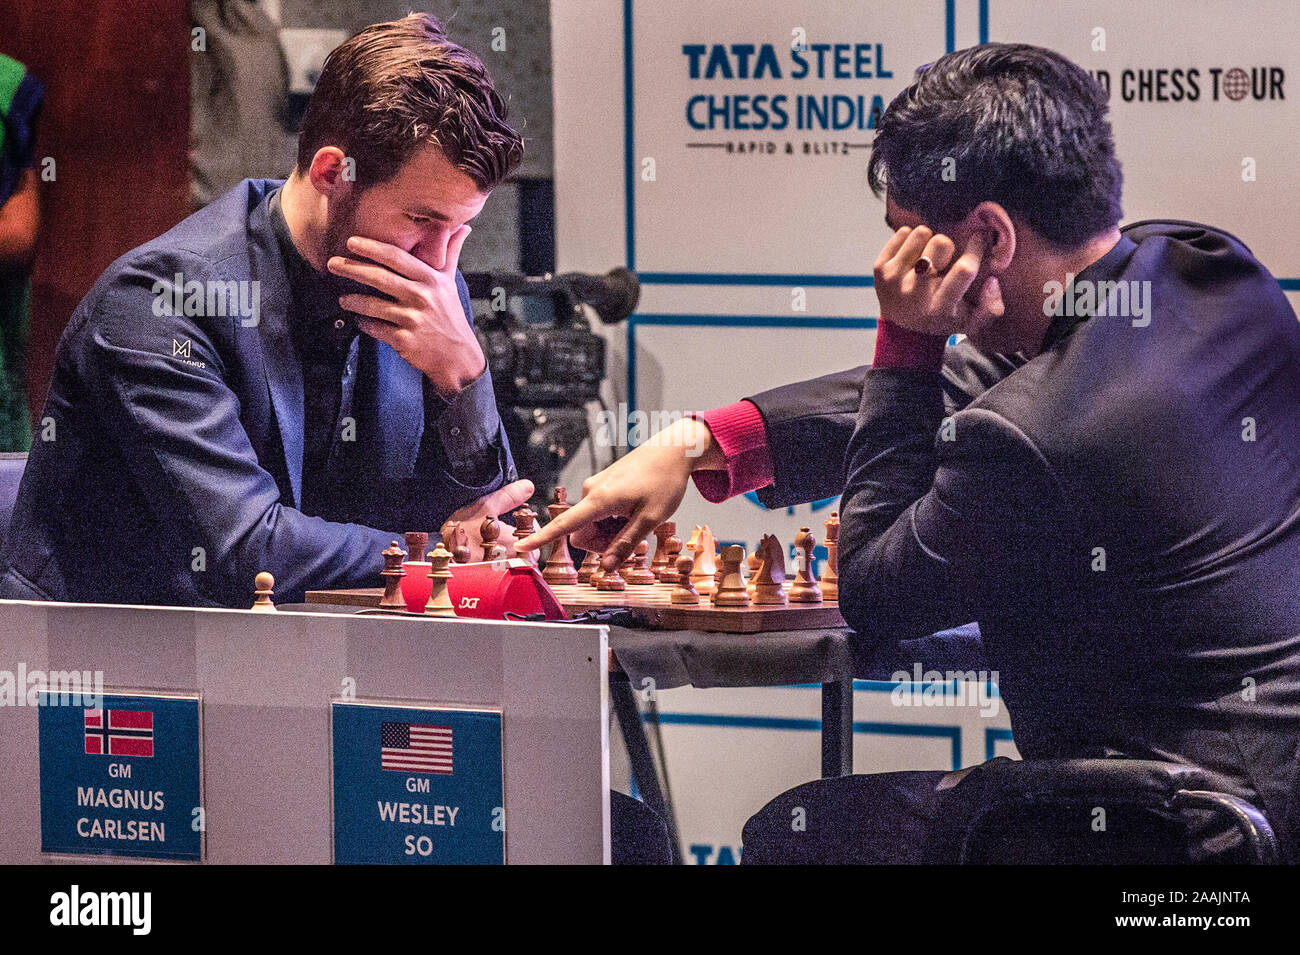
{"points": [[1254, 828]]}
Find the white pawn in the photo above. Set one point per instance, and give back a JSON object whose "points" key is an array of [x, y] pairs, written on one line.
{"points": [[439, 600], [684, 592], [731, 590], [265, 590]]}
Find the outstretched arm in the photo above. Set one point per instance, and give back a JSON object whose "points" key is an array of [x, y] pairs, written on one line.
{"points": [[788, 444]]}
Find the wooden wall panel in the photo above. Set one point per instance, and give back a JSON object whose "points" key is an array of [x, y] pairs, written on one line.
{"points": [[117, 123]]}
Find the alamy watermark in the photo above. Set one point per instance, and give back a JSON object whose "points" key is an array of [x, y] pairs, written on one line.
{"points": [[623, 427], [26, 687], [211, 298], [1130, 299], [947, 688]]}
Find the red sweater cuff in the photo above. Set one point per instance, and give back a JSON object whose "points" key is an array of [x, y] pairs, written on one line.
{"points": [[898, 347], [742, 437]]}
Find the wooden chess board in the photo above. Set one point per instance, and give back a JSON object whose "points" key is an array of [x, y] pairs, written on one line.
{"points": [[653, 608]]}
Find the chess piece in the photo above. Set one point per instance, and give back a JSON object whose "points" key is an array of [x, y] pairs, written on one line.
{"points": [[684, 592], [717, 561], [439, 600], [831, 579], [769, 581], [804, 590], [694, 540], [661, 560], [705, 565], [637, 573], [559, 567], [609, 580], [264, 585], [753, 574], [489, 531], [525, 524], [674, 548], [590, 565], [393, 573], [628, 565], [731, 590], [456, 539], [417, 543]]}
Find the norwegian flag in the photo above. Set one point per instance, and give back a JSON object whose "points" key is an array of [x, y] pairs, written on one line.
{"points": [[119, 732]]}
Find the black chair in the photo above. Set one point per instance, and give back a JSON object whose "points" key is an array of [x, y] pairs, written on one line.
{"points": [[1072, 811], [1124, 811], [11, 473]]}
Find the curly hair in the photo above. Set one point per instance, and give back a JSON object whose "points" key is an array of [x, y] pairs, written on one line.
{"points": [[396, 86]]}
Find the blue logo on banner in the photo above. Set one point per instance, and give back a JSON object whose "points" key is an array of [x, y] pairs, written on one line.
{"points": [[417, 785], [121, 778]]}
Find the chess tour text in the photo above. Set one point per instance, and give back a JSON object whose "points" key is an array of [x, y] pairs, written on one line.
{"points": [[417, 814]]}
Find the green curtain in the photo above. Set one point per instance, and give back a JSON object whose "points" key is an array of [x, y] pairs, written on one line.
{"points": [[20, 99], [15, 303]]}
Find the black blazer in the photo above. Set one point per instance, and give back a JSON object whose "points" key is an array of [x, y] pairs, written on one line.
{"points": [[1121, 515]]}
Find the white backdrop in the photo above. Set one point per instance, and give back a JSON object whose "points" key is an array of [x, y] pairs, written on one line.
{"points": [[754, 244]]}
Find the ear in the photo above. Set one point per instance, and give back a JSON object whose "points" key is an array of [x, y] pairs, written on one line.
{"points": [[999, 232], [326, 172]]}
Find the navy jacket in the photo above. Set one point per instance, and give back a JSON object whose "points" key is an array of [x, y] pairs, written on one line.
{"points": [[167, 464], [1121, 515]]}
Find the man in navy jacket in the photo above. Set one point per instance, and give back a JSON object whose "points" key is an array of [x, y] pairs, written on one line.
{"points": [[288, 379], [1103, 473]]}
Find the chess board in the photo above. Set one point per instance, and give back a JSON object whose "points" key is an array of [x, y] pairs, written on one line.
{"points": [[652, 607]]}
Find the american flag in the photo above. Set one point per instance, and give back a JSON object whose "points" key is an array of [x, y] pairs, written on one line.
{"points": [[119, 732], [413, 748]]}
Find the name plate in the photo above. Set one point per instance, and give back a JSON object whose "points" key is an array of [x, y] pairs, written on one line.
{"points": [[122, 777], [417, 785]]}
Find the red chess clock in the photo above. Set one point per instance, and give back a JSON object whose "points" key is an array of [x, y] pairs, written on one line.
{"points": [[492, 589]]}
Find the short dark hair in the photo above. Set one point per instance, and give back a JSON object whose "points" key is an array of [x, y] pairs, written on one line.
{"points": [[396, 86], [1024, 127]]}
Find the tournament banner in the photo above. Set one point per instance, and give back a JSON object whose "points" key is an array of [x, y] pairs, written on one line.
{"points": [[417, 785], [123, 777], [750, 127]]}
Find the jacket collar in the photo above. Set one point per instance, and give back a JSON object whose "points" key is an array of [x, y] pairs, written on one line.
{"points": [[279, 360], [398, 404], [1106, 269]]}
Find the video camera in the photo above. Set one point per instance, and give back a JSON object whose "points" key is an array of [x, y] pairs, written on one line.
{"points": [[547, 364]]}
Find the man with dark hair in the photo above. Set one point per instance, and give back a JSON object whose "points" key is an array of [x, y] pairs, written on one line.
{"points": [[1102, 473], [1007, 123], [289, 378]]}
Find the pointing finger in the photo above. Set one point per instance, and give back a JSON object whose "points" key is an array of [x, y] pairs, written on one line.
{"points": [[584, 512]]}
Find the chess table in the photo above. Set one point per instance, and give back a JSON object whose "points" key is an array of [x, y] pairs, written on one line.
{"points": [[701, 646], [651, 607]]}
